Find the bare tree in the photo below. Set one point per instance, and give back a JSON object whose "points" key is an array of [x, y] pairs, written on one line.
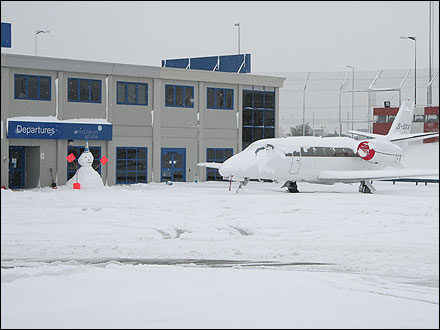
{"points": [[298, 130]]}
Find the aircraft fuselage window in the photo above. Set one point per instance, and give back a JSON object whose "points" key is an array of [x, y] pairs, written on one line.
{"points": [[323, 152]]}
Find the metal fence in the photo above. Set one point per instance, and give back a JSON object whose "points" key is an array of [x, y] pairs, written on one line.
{"points": [[334, 102]]}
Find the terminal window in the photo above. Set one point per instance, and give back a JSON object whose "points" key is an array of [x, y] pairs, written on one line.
{"points": [[216, 155], [220, 98], [132, 93], [258, 116], [179, 96], [84, 90], [29, 87], [131, 165], [419, 118], [432, 118]]}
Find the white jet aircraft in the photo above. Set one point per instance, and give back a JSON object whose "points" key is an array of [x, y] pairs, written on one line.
{"points": [[328, 160]]}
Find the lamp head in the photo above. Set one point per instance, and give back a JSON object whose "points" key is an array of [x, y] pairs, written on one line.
{"points": [[406, 37]]}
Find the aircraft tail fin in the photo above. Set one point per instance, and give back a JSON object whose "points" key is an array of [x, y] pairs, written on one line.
{"points": [[400, 128], [402, 123]]}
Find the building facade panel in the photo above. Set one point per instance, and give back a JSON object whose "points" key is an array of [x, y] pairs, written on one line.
{"points": [[132, 112], [179, 110], [90, 101], [189, 146], [126, 142], [25, 105]]}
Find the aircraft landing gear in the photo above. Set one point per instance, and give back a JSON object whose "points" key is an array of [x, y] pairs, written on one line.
{"points": [[242, 184], [366, 187], [291, 186]]}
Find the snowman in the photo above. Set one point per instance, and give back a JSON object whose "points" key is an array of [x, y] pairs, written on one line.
{"points": [[86, 176]]}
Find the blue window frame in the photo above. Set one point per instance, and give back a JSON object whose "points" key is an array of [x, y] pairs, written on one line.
{"points": [[258, 116], [77, 151], [217, 155], [132, 93], [173, 166], [83, 90], [28, 87], [220, 98], [17, 167], [131, 165], [179, 96]]}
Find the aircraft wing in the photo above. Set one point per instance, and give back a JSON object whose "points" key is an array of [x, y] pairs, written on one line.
{"points": [[357, 176], [210, 164], [403, 137], [414, 137]]}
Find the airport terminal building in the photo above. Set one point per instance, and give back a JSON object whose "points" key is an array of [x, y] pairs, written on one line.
{"points": [[153, 124]]}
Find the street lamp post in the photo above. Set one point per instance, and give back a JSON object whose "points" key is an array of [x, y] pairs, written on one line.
{"points": [[429, 98], [352, 97], [415, 66], [238, 24], [37, 32]]}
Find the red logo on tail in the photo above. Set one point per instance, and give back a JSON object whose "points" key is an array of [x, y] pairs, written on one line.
{"points": [[364, 151]]}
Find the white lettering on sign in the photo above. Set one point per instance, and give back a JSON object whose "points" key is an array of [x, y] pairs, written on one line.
{"points": [[35, 130]]}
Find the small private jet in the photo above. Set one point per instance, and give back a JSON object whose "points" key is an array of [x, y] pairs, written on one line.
{"points": [[328, 160]]}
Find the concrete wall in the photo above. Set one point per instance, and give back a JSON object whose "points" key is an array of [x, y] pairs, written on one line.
{"points": [[21, 107], [73, 110]]}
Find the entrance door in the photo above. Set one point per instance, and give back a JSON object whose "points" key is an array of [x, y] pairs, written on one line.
{"points": [[16, 167], [173, 164], [296, 161]]}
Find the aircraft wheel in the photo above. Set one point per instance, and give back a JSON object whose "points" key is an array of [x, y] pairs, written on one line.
{"points": [[292, 187], [364, 189]]}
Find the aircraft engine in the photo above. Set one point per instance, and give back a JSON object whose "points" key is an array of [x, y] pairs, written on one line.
{"points": [[379, 152]]}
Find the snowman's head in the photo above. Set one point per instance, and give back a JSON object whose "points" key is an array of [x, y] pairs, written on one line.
{"points": [[86, 159]]}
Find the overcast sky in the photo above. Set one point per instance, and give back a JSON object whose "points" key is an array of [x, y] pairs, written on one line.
{"points": [[285, 36]]}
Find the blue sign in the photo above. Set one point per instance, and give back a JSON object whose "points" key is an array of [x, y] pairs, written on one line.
{"points": [[6, 35], [58, 131], [240, 63]]}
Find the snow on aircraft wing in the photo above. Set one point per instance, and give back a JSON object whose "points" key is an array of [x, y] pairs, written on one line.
{"points": [[370, 135], [414, 137], [356, 176], [210, 164]]}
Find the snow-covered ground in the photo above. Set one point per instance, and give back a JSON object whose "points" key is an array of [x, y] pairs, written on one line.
{"points": [[196, 255]]}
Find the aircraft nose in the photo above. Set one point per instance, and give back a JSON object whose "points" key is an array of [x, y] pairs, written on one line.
{"points": [[238, 165], [228, 167]]}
